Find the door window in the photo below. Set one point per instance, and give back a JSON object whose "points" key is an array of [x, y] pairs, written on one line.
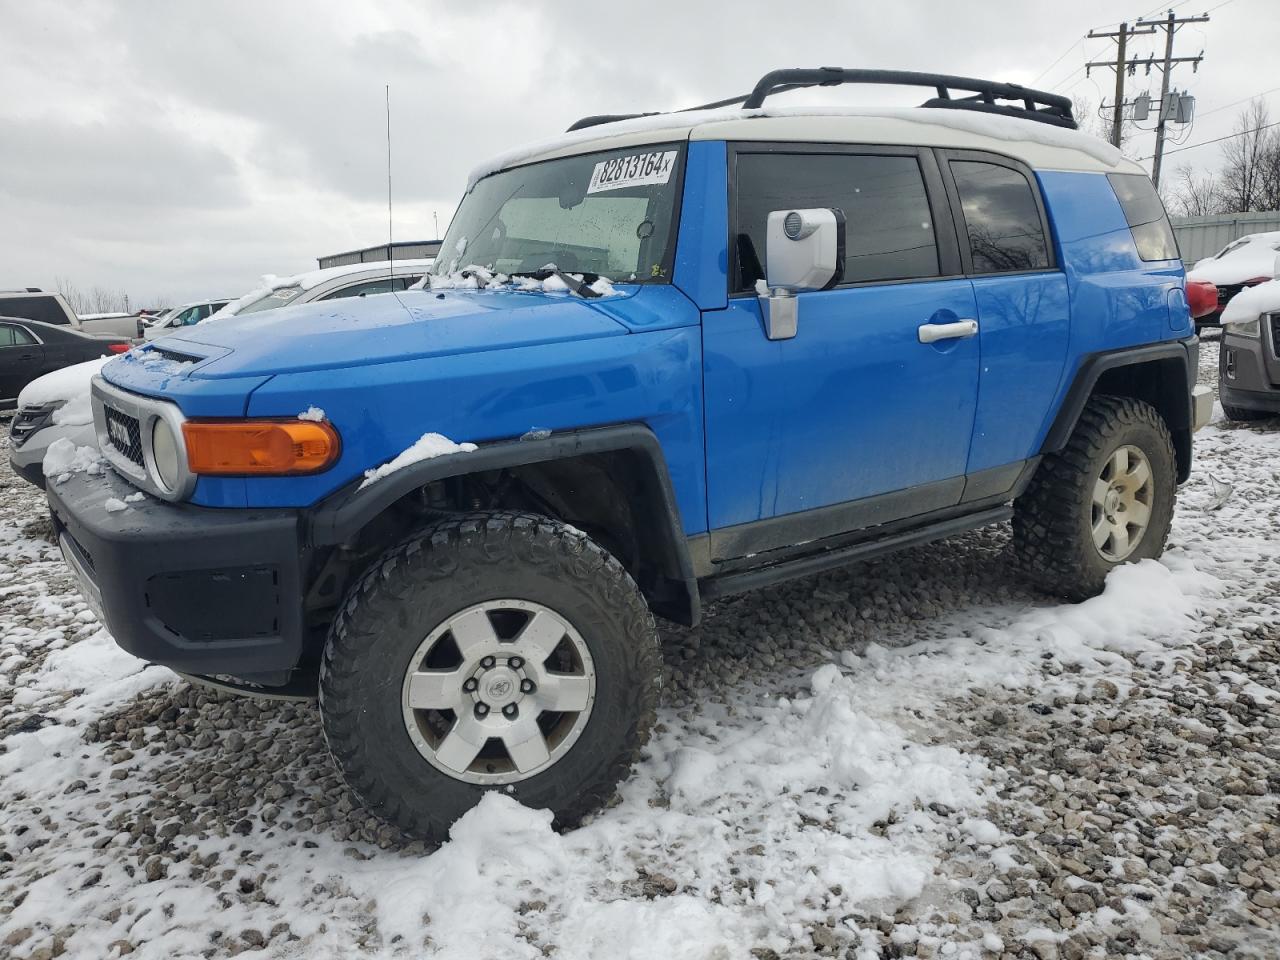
{"points": [[889, 232], [7, 338], [1002, 217], [22, 337]]}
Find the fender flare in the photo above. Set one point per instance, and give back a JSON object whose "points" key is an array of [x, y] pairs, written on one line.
{"points": [[1178, 412], [341, 516]]}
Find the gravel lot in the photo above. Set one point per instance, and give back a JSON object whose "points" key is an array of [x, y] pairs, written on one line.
{"points": [[913, 757]]}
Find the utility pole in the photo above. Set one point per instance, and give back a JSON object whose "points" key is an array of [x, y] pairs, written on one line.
{"points": [[1170, 25], [1121, 36]]}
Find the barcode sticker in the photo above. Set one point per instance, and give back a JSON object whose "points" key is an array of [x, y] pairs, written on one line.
{"points": [[635, 170]]}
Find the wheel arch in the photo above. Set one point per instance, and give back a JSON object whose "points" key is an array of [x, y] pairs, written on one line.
{"points": [[607, 475], [1160, 374]]}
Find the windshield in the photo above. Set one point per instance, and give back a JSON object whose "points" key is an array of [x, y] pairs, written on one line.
{"points": [[269, 301], [611, 213]]}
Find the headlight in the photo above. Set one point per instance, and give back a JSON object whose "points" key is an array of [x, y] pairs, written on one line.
{"points": [[164, 452], [1244, 328]]}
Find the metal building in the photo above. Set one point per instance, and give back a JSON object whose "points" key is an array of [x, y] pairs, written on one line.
{"points": [[1200, 237], [400, 250]]}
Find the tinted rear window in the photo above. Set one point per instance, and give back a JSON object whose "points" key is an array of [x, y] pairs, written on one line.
{"points": [[1145, 214], [46, 309], [1001, 216]]}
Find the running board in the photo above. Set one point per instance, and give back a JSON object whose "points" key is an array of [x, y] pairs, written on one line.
{"points": [[730, 583]]}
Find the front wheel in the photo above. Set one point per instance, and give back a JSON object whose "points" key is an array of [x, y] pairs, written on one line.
{"points": [[496, 651], [1106, 499]]}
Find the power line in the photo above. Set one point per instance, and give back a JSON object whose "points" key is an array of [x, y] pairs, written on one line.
{"points": [[1205, 143], [1058, 61], [1205, 113]]}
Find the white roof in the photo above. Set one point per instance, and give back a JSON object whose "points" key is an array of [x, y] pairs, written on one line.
{"points": [[1041, 146]]}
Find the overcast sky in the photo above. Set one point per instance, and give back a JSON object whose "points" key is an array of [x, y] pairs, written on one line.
{"points": [[178, 149]]}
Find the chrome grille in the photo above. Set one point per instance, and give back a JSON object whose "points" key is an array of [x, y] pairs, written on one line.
{"points": [[125, 434]]}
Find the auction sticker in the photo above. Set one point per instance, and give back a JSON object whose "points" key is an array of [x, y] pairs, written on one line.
{"points": [[635, 170]]}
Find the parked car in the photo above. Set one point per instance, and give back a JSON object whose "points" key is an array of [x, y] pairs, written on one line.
{"points": [[51, 408], [1249, 356], [183, 316], [1242, 263], [38, 428], [331, 283], [29, 349], [662, 360], [51, 308]]}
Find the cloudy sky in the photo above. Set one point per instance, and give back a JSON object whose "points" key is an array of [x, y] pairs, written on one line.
{"points": [[181, 149]]}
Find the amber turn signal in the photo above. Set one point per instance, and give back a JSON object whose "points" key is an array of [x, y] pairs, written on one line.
{"points": [[259, 447]]}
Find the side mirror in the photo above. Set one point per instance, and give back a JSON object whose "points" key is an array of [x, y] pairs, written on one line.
{"points": [[804, 250]]}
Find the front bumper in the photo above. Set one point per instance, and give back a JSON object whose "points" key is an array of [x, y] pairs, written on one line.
{"points": [[203, 591], [26, 453]]}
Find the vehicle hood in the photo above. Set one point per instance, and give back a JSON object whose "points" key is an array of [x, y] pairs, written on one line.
{"points": [[1247, 263], [385, 328]]}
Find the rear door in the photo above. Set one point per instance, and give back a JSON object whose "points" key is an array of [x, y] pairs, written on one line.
{"points": [[861, 418], [1024, 313]]}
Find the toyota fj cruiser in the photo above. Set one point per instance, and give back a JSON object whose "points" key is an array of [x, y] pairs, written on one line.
{"points": [[682, 355]]}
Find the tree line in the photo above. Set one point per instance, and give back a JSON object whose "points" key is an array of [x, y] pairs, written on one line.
{"points": [[1248, 180]]}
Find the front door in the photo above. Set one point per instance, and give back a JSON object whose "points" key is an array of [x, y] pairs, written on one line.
{"points": [[863, 417]]}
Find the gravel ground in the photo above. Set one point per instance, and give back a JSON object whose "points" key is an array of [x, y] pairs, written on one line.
{"points": [[914, 757]]}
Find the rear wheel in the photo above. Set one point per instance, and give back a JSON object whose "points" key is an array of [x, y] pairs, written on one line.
{"points": [[1106, 499], [497, 651]]}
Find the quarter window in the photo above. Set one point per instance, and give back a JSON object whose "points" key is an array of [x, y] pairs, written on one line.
{"points": [[1145, 215], [889, 232], [1001, 216]]}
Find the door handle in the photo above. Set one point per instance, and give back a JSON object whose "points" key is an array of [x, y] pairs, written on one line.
{"points": [[933, 332]]}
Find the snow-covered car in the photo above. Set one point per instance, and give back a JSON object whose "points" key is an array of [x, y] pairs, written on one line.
{"points": [[1242, 263], [50, 408], [1249, 359], [332, 283], [185, 315]]}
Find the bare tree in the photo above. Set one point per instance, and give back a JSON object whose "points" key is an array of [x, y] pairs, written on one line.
{"points": [[1245, 160], [1091, 120], [95, 300], [1194, 194]]}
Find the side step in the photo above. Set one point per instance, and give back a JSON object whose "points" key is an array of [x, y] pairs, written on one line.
{"points": [[730, 583]]}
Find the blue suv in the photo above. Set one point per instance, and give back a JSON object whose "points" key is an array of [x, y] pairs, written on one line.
{"points": [[660, 360]]}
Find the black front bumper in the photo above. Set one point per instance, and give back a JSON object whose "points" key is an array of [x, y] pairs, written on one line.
{"points": [[1265, 401], [204, 591]]}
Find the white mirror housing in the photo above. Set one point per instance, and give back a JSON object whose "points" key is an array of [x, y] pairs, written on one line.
{"points": [[804, 250]]}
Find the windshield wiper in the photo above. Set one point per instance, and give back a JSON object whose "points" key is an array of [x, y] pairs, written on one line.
{"points": [[581, 287]]}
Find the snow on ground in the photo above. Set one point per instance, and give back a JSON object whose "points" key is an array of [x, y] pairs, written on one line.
{"points": [[916, 756]]}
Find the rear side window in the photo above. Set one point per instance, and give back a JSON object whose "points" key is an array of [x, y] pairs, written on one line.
{"points": [[889, 229], [1001, 216], [363, 289], [1145, 214], [46, 309]]}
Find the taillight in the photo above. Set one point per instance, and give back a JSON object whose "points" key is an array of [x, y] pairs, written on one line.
{"points": [[118, 347], [259, 447], [1202, 298]]}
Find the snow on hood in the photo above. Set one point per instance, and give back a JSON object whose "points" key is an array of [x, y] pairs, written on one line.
{"points": [[994, 126], [413, 324], [1255, 258], [1252, 302], [61, 385]]}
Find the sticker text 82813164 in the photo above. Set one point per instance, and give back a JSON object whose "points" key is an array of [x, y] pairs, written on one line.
{"points": [[631, 171]]}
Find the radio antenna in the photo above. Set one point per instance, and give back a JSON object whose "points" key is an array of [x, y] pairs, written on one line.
{"points": [[391, 253]]}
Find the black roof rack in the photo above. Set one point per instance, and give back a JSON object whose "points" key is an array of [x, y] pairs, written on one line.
{"points": [[984, 96]]}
